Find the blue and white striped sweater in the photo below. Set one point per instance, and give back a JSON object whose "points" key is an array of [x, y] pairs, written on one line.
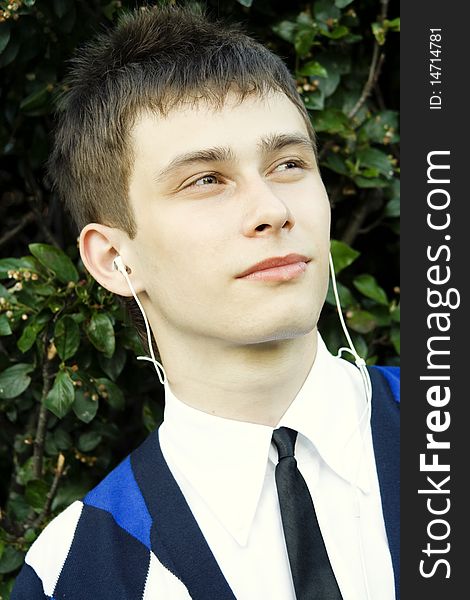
{"points": [[134, 537]]}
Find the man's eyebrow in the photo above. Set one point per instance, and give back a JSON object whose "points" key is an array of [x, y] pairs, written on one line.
{"points": [[278, 141], [267, 145], [216, 154]]}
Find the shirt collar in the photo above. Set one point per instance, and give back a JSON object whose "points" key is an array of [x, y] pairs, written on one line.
{"points": [[219, 457]]}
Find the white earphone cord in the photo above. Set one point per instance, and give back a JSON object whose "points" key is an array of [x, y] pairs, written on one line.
{"points": [[158, 366], [361, 364]]}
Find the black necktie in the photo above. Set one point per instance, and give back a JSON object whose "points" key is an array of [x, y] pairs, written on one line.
{"points": [[310, 566]]}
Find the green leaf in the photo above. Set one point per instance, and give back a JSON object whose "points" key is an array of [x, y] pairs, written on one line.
{"points": [[15, 264], [379, 32], [342, 254], [395, 313], [381, 315], [130, 339], [152, 415], [332, 120], [84, 407], [393, 25], [115, 397], [368, 286], [4, 293], [345, 297], [31, 331], [380, 29], [376, 159], [303, 40], [113, 366], [361, 321], [336, 163], [26, 472], [28, 337], [286, 30], [30, 536], [100, 332], [313, 68], [62, 439], [342, 3], [335, 61], [55, 304], [4, 35], [337, 32], [15, 380], [246, 3], [18, 506], [392, 208], [56, 260], [66, 337], [35, 494], [380, 128], [25, 296], [395, 338], [11, 560], [36, 100], [314, 100], [10, 52], [5, 328], [329, 83], [50, 446], [364, 182], [61, 396], [89, 440], [324, 10], [360, 344]]}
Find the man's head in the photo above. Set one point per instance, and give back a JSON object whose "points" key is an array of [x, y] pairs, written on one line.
{"points": [[155, 59], [192, 156]]}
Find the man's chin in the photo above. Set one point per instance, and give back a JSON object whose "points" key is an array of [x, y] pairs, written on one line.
{"points": [[289, 331]]}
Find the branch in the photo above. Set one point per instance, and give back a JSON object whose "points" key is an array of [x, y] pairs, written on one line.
{"points": [[374, 72], [356, 222], [40, 436], [374, 69], [29, 218], [372, 226], [52, 491]]}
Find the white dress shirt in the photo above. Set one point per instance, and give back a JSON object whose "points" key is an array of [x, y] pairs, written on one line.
{"points": [[225, 469]]}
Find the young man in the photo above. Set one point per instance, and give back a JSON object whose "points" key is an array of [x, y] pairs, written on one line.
{"points": [[185, 150]]}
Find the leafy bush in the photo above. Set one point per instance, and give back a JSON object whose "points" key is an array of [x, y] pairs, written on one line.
{"points": [[73, 399]]}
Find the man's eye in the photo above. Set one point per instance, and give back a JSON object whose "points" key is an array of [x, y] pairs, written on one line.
{"points": [[205, 180], [289, 165]]}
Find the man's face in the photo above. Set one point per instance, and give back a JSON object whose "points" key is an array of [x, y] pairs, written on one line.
{"points": [[253, 192]]}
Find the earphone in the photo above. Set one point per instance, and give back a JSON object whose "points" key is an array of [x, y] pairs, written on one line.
{"points": [[120, 266]]}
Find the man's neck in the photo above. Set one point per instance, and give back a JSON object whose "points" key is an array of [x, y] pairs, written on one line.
{"points": [[254, 383]]}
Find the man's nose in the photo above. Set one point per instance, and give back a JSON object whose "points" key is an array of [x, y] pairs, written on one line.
{"points": [[265, 210]]}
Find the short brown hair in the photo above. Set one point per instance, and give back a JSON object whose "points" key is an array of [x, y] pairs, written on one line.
{"points": [[155, 58]]}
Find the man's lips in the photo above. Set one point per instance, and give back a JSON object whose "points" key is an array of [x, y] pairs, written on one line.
{"points": [[277, 267]]}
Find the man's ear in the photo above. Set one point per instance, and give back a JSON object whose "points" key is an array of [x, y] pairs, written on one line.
{"points": [[99, 246]]}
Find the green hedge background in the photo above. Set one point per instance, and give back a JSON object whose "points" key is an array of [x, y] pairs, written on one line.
{"points": [[73, 399]]}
